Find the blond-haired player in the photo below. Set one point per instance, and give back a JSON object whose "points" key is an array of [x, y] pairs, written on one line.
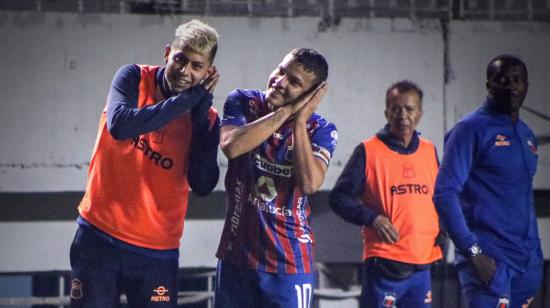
{"points": [[157, 137]]}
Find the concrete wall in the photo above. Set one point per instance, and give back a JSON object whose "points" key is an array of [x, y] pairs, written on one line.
{"points": [[473, 44], [60, 67], [44, 246]]}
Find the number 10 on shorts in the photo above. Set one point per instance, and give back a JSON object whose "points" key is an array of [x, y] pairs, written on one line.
{"points": [[303, 295]]}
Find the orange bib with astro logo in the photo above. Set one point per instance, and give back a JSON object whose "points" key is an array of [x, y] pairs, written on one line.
{"points": [[401, 187], [137, 189]]}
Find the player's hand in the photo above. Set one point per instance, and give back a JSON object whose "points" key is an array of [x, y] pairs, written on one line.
{"points": [[301, 101], [211, 80], [309, 107], [485, 267], [385, 229]]}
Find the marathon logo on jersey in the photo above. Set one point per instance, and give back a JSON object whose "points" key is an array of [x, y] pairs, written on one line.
{"points": [[500, 141], [160, 294], [76, 288], [154, 156], [276, 169], [503, 302], [532, 147], [409, 189], [408, 171], [389, 300]]}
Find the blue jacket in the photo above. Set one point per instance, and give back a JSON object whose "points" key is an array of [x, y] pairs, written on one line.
{"points": [[484, 189]]}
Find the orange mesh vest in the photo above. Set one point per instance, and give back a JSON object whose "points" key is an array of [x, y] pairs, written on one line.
{"points": [[137, 188], [401, 186]]}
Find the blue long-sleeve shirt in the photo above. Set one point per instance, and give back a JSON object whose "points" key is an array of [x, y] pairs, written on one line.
{"points": [[345, 197], [125, 120], [484, 191]]}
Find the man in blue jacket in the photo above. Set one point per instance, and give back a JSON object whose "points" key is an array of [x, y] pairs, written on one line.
{"points": [[484, 194]]}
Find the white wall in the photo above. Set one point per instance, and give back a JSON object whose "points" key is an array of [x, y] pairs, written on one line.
{"points": [[44, 246], [60, 67]]}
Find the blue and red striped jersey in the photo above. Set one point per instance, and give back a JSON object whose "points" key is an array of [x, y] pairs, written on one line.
{"points": [[267, 224]]}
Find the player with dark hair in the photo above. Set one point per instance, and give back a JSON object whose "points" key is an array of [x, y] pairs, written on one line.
{"points": [[279, 151], [484, 194], [387, 187], [158, 136]]}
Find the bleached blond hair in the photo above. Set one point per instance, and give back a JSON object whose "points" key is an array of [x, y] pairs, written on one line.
{"points": [[198, 36]]}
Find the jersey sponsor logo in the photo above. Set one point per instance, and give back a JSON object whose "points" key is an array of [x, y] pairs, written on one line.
{"points": [[270, 208], [276, 169], [301, 210], [500, 141], [154, 156], [389, 300], [409, 189], [532, 147], [237, 209], [76, 288], [265, 188], [408, 171], [160, 294]]}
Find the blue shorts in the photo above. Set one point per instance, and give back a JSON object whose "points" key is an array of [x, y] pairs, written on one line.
{"points": [[101, 271], [380, 291], [238, 287], [509, 287]]}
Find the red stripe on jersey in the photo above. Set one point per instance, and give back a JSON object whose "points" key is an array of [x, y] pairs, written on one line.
{"points": [[290, 262], [254, 236], [310, 252], [271, 251]]}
